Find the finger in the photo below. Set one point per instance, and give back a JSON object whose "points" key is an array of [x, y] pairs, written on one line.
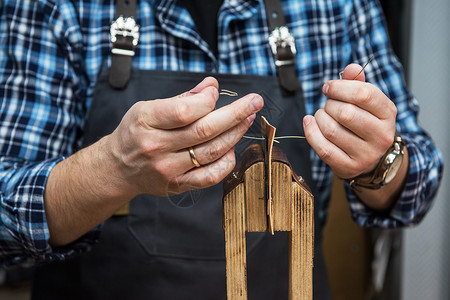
{"points": [[353, 118], [354, 72], [364, 95], [180, 111], [210, 151], [337, 134], [214, 149], [355, 147], [207, 175], [328, 152], [216, 122], [208, 81]]}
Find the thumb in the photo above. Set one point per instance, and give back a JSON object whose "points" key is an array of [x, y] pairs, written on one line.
{"points": [[351, 71], [180, 110], [208, 81], [205, 83]]}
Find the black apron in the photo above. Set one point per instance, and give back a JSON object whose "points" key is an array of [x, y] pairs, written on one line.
{"points": [[173, 247]]}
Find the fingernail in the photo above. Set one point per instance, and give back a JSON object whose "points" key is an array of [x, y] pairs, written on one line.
{"points": [[214, 91], [325, 88], [307, 120], [256, 104], [251, 118]]}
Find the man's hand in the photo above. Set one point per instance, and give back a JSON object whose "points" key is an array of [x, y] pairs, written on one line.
{"points": [[353, 131], [147, 153], [356, 126], [151, 143]]}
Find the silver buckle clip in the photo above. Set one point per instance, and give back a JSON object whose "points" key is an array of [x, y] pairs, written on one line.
{"points": [[126, 27], [281, 37]]}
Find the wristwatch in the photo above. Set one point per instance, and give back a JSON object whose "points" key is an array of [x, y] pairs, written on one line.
{"points": [[386, 169]]}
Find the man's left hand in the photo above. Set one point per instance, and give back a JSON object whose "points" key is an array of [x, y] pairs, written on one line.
{"points": [[355, 128]]}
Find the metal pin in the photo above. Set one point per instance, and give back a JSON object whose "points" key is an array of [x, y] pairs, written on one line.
{"points": [[342, 72], [363, 67]]}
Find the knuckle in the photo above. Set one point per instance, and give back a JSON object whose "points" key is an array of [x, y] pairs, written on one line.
{"points": [[386, 141], [331, 132], [211, 179], [319, 114], [241, 111], [331, 87], [182, 112], [204, 130], [237, 115], [207, 100], [163, 171], [353, 170], [210, 102], [149, 147], [140, 114], [324, 153], [358, 166], [347, 113], [214, 151], [363, 94], [138, 106], [393, 108]]}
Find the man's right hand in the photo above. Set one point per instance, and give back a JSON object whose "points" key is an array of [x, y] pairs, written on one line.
{"points": [[147, 153], [150, 146]]}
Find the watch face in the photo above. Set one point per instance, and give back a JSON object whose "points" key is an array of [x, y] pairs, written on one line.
{"points": [[395, 161]]}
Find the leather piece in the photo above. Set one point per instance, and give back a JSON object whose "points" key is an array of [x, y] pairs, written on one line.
{"points": [[252, 155]]}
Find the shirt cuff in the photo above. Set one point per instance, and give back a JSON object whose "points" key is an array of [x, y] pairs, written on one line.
{"points": [[424, 177], [25, 234]]}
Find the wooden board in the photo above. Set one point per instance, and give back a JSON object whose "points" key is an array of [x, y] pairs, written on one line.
{"points": [[293, 211], [235, 249]]}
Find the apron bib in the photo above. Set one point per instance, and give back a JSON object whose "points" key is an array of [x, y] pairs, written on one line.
{"points": [[173, 247]]}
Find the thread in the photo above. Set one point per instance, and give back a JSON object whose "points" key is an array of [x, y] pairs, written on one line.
{"points": [[228, 93], [276, 138]]}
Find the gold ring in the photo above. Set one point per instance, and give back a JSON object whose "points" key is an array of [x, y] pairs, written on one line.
{"points": [[193, 158]]}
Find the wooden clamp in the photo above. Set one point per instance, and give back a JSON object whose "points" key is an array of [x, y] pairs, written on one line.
{"points": [[263, 193]]}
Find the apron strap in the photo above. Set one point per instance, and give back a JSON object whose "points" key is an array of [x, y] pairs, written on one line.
{"points": [[124, 38], [282, 45], [281, 42]]}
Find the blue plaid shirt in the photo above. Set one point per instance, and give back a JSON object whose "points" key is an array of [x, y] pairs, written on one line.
{"points": [[51, 52]]}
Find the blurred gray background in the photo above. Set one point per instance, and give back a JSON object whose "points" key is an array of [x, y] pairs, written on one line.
{"points": [[426, 248]]}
